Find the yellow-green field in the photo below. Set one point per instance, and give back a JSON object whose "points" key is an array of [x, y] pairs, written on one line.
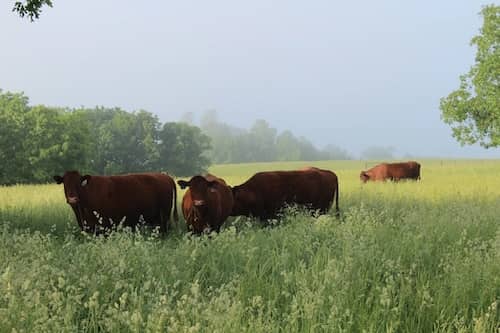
{"points": [[404, 257]]}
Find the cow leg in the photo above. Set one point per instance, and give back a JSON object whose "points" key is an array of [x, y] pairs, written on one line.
{"points": [[78, 215], [164, 221]]}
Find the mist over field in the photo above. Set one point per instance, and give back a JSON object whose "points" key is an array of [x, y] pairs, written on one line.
{"points": [[354, 75]]}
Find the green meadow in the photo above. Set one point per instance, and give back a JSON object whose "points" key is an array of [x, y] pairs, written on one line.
{"points": [[403, 257]]}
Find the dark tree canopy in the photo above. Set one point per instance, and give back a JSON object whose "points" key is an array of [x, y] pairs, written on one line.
{"points": [[30, 8], [473, 110], [37, 142], [182, 148]]}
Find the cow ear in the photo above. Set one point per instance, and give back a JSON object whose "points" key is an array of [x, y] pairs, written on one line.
{"points": [[58, 179], [84, 180], [183, 184]]}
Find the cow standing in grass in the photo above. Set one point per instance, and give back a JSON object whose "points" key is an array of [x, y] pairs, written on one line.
{"points": [[266, 193], [392, 171], [328, 192], [207, 203], [101, 202]]}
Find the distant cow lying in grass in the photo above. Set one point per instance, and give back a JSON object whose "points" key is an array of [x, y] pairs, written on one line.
{"points": [[120, 198], [266, 193], [392, 171], [207, 203]]}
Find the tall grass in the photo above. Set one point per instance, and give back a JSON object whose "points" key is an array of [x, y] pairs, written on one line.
{"points": [[407, 257]]}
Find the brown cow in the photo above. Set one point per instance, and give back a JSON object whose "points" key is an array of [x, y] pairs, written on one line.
{"points": [[328, 191], [207, 203], [392, 171], [266, 193], [101, 202]]}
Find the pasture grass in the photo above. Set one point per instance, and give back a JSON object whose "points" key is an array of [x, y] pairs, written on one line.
{"points": [[406, 257]]}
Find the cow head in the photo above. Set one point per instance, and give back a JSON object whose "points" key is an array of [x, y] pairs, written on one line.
{"points": [[202, 193], [74, 185], [364, 176]]}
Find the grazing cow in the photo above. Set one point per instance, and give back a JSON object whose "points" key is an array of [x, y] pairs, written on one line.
{"points": [[328, 192], [101, 202], [266, 193], [207, 203], [392, 171]]}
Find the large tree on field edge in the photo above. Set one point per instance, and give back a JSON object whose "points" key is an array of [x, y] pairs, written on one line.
{"points": [[473, 110]]}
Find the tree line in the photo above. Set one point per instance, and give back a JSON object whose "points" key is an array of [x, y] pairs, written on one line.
{"points": [[37, 142], [259, 143]]}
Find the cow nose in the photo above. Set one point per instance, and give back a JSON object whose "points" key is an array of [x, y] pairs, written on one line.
{"points": [[72, 200]]}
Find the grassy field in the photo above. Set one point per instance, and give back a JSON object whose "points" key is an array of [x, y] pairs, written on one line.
{"points": [[407, 257]]}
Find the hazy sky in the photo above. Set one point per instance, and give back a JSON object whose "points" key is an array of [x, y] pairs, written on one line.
{"points": [[351, 73]]}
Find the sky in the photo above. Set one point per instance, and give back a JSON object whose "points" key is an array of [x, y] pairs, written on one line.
{"points": [[350, 73]]}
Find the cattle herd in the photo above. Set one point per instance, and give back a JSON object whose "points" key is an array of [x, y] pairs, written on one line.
{"points": [[101, 202]]}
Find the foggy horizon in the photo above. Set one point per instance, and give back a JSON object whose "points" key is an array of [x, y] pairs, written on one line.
{"points": [[351, 75]]}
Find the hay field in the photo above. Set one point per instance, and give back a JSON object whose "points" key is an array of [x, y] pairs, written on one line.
{"points": [[406, 257]]}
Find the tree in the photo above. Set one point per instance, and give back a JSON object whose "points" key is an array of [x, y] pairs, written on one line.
{"points": [[128, 143], [307, 150], [147, 128], [56, 141], [43, 142], [263, 139], [224, 138], [182, 149], [30, 8], [76, 148], [473, 111], [287, 147], [13, 114], [335, 153], [38, 141]]}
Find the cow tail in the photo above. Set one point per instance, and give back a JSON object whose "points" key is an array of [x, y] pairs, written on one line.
{"points": [[337, 198], [176, 216]]}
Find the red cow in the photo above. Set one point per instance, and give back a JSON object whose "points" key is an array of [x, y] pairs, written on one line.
{"points": [[392, 171], [101, 202], [207, 203], [328, 192], [266, 193]]}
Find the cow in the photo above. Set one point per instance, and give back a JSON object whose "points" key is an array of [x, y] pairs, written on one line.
{"points": [[329, 191], [266, 193], [392, 171], [207, 203], [101, 202]]}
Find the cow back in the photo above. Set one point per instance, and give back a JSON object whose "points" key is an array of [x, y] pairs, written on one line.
{"points": [[394, 171], [265, 193]]}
